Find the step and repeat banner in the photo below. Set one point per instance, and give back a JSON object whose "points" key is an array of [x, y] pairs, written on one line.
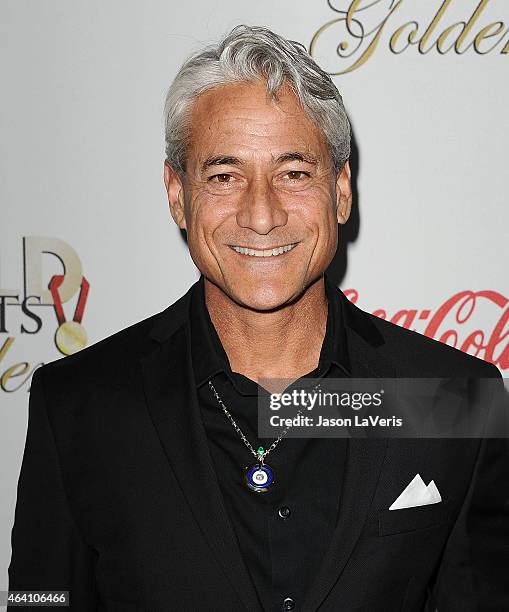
{"points": [[87, 244]]}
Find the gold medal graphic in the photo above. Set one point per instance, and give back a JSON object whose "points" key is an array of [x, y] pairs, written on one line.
{"points": [[70, 336]]}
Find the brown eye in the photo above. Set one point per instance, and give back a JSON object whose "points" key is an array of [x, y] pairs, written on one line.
{"points": [[221, 178], [295, 175]]}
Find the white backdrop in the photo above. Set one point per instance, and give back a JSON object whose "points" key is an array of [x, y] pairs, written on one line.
{"points": [[82, 155]]}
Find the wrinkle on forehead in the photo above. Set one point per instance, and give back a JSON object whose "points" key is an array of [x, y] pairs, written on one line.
{"points": [[243, 120]]}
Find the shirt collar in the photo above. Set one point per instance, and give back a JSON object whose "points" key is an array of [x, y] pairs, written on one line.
{"points": [[210, 358]]}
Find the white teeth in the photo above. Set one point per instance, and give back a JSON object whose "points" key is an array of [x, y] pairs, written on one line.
{"points": [[268, 253]]}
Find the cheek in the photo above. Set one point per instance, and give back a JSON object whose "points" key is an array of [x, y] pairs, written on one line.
{"points": [[321, 220], [208, 212], [329, 228], [317, 209], [212, 218]]}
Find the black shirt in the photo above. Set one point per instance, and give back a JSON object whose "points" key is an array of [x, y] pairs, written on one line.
{"points": [[283, 533]]}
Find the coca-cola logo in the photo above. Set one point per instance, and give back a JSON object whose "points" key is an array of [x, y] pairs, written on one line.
{"points": [[456, 322]]}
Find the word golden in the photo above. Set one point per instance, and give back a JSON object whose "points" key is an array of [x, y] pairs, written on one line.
{"points": [[360, 40]]}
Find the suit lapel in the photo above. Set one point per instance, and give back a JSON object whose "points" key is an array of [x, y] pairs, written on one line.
{"points": [[173, 406], [364, 457]]}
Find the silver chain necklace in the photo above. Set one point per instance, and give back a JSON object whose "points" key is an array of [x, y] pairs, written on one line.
{"points": [[258, 477]]}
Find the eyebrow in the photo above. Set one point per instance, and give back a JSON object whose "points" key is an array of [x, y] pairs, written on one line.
{"points": [[230, 160], [296, 156], [220, 160]]}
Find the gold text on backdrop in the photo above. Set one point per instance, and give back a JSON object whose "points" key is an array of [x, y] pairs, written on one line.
{"points": [[357, 40], [20, 311]]}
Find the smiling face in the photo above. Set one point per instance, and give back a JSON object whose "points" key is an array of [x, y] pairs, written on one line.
{"points": [[258, 176]]}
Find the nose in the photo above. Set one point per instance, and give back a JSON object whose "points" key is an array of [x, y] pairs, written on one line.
{"points": [[261, 210]]}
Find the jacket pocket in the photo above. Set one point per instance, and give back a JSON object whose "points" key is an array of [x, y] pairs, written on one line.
{"points": [[412, 519]]}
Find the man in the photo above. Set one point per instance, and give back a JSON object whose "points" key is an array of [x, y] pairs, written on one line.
{"points": [[133, 493]]}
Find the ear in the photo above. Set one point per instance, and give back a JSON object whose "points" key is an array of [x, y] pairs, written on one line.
{"points": [[344, 193], [175, 191]]}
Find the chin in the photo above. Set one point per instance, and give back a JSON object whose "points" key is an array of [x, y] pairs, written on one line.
{"points": [[264, 295]]}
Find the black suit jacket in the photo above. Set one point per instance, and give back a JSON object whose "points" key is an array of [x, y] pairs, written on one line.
{"points": [[118, 501]]}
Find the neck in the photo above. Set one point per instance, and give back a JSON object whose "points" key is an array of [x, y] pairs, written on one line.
{"points": [[283, 343]]}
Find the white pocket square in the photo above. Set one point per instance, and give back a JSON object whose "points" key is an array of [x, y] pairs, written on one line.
{"points": [[417, 494]]}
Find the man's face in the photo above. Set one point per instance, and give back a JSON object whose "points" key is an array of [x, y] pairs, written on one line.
{"points": [[258, 175]]}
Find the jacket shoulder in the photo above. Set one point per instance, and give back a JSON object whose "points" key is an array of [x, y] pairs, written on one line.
{"points": [[417, 352], [414, 353], [117, 352]]}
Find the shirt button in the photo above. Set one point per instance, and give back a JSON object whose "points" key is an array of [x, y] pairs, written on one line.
{"points": [[284, 512], [288, 604]]}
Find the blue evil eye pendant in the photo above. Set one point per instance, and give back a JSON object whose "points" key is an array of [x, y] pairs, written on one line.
{"points": [[259, 477]]}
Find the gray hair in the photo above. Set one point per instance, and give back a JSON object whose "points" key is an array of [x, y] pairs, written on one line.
{"points": [[247, 54]]}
